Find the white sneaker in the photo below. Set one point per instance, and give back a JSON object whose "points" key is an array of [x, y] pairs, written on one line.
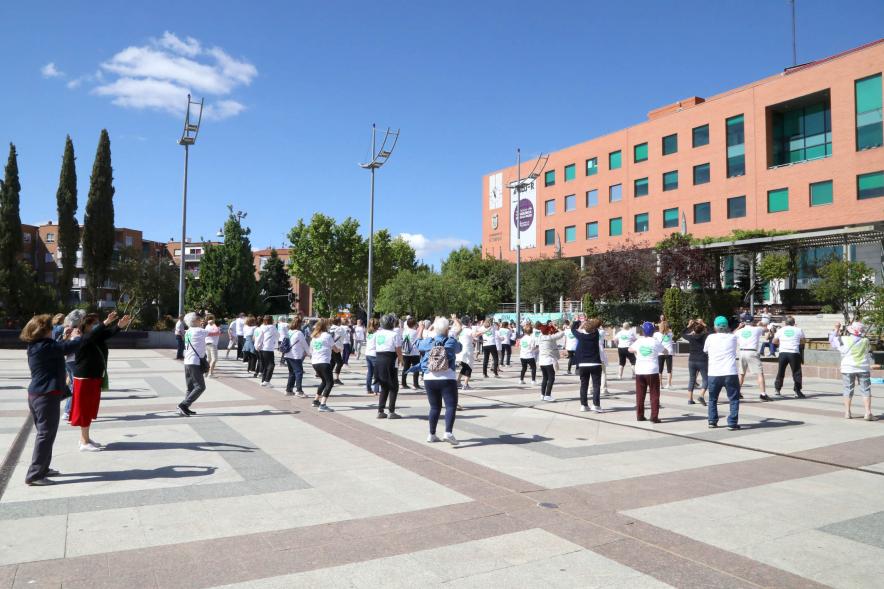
{"points": [[89, 448], [467, 387], [597, 409], [451, 439], [521, 382], [96, 444], [584, 408], [533, 381], [550, 399], [433, 438]]}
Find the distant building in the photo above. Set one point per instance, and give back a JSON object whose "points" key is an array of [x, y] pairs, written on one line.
{"points": [[193, 254], [299, 289]]}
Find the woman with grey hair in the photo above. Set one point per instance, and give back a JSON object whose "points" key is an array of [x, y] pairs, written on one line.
{"points": [[72, 331], [440, 351], [388, 349]]}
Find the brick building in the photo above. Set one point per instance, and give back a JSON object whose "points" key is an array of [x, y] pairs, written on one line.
{"points": [[299, 289]]}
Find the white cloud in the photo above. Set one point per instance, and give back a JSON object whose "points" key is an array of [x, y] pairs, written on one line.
{"points": [[50, 71], [427, 248], [159, 75]]}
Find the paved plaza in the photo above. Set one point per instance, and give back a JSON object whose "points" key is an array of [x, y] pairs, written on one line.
{"points": [[261, 491]]}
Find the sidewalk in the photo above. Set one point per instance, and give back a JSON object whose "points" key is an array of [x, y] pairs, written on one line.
{"points": [[259, 490]]}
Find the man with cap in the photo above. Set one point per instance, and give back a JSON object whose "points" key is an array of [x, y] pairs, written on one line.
{"points": [[855, 365], [789, 340], [722, 348], [749, 338], [647, 372]]}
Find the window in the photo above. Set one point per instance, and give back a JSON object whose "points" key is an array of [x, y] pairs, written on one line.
{"points": [[870, 185], [549, 178], [592, 198], [736, 148], [615, 193], [821, 193], [670, 144], [549, 237], [570, 202], [50, 237], [736, 207], [670, 180], [640, 187], [869, 132], [570, 234], [592, 230], [701, 174], [641, 223], [702, 212], [48, 257], [778, 200], [129, 241], [570, 172], [640, 152], [26, 237], [549, 207], [614, 160], [592, 166], [670, 218], [802, 133], [701, 136], [615, 226]]}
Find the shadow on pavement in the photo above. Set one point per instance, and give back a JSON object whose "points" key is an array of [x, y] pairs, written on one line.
{"points": [[502, 440], [136, 474], [199, 446]]}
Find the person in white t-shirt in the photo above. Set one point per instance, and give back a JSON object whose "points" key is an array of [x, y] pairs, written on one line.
{"points": [[249, 354], [410, 354], [231, 338], [570, 345], [504, 334], [266, 344], [488, 331], [749, 339], [548, 357], [388, 350], [527, 345], [665, 338], [321, 344], [722, 349], [239, 325], [372, 386], [338, 333], [466, 356], [647, 372], [294, 357], [213, 334], [282, 328], [358, 337], [180, 328], [194, 353], [789, 341], [625, 338]]}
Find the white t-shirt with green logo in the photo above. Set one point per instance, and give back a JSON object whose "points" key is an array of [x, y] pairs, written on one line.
{"points": [[646, 349], [528, 347], [625, 337], [386, 340], [665, 340], [749, 336], [790, 338], [321, 348], [570, 340]]}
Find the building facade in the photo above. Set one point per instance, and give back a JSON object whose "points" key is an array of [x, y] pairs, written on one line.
{"points": [[797, 151], [300, 290], [193, 254]]}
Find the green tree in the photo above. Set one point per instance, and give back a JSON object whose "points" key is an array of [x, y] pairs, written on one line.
{"points": [[773, 268], [226, 284], [143, 280], [391, 256], [274, 284], [497, 275], [622, 275], [98, 223], [848, 286], [679, 307], [425, 294], [331, 257], [590, 309], [545, 281], [874, 318], [68, 228], [11, 244]]}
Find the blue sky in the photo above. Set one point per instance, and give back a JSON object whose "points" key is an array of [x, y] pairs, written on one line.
{"points": [[294, 87]]}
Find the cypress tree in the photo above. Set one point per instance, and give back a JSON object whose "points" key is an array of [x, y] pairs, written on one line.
{"points": [[11, 245], [68, 228], [98, 223]]}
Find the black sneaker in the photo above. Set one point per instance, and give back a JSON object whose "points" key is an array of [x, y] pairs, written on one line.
{"points": [[290, 393], [316, 402], [712, 425], [741, 395], [702, 401], [394, 415], [640, 419], [691, 402], [733, 428], [40, 482], [338, 381], [182, 411], [382, 415], [778, 393], [405, 386], [800, 395], [765, 398]]}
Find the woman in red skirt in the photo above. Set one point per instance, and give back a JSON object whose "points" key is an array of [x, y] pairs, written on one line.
{"points": [[89, 372]]}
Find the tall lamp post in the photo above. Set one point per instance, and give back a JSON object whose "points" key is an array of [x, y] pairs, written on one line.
{"points": [[517, 187], [188, 138], [378, 158]]}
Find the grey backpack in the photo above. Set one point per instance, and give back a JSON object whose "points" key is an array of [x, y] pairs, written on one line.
{"points": [[437, 361]]}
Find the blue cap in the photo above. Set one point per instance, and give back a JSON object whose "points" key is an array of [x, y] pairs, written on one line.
{"points": [[721, 321], [648, 328]]}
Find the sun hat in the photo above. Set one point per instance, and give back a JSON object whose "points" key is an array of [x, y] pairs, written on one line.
{"points": [[856, 328]]}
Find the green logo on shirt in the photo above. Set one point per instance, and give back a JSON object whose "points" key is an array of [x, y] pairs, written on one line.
{"points": [[624, 336], [666, 339], [317, 344], [380, 340], [789, 332], [646, 350], [745, 334]]}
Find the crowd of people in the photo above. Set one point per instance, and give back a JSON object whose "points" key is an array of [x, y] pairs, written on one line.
{"points": [[68, 357]]}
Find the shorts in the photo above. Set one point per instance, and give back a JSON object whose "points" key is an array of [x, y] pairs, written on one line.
{"points": [[87, 396], [664, 359], [862, 380], [624, 354], [750, 361], [466, 370]]}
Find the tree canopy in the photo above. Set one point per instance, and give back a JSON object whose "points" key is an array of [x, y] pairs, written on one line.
{"points": [[98, 223], [68, 228], [274, 284]]}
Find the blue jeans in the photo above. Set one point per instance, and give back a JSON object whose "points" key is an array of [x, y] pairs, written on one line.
{"points": [[296, 373], [371, 383], [437, 392], [731, 383]]}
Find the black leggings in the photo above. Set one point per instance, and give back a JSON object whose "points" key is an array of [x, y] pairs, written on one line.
{"points": [[549, 377], [571, 361], [793, 361], [326, 380], [268, 361], [506, 353], [408, 362], [385, 372], [251, 359], [337, 362], [437, 391], [525, 364], [587, 372], [664, 359], [466, 370], [624, 354], [490, 352]]}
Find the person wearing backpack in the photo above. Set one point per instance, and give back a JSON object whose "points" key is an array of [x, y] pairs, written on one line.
{"points": [[855, 366], [440, 380]]}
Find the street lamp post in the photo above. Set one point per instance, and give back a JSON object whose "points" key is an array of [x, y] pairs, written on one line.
{"points": [[188, 138], [378, 158]]}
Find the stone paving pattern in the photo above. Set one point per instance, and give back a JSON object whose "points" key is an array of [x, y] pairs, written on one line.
{"points": [[261, 491]]}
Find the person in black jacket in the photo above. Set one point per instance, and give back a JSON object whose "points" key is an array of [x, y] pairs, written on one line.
{"points": [[588, 359], [45, 391], [90, 367], [696, 334]]}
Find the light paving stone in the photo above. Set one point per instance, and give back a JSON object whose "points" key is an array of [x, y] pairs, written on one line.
{"points": [[34, 539]]}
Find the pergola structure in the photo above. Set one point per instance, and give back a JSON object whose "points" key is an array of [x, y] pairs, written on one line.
{"points": [[843, 236]]}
